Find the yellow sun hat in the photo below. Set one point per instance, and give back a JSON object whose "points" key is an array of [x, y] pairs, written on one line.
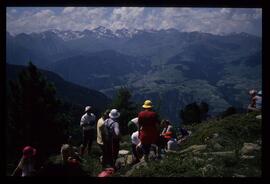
{"points": [[147, 104]]}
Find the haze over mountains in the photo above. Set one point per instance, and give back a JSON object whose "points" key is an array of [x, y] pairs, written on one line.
{"points": [[171, 68]]}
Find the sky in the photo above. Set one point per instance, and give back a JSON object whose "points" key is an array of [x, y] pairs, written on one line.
{"points": [[209, 20]]}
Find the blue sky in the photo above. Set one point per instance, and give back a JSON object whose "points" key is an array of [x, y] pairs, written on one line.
{"points": [[210, 20]]}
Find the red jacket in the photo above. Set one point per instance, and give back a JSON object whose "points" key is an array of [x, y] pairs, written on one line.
{"points": [[149, 122]]}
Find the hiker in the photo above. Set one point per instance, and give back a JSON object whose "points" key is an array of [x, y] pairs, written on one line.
{"points": [[27, 165], [148, 128], [87, 123], [167, 133], [256, 101], [112, 138], [136, 147], [69, 154], [101, 132], [133, 125]]}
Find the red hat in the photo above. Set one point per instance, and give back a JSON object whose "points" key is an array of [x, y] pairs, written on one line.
{"points": [[29, 151]]}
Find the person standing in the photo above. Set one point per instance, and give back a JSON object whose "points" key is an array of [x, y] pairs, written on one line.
{"points": [[112, 139], [101, 133], [256, 101], [148, 128], [26, 166], [133, 125], [88, 122]]}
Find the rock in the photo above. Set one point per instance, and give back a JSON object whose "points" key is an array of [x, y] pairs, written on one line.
{"points": [[247, 157], [222, 153], [249, 148], [172, 145], [194, 148], [134, 167], [197, 159], [259, 116], [259, 141], [239, 175], [120, 161], [129, 159], [206, 168], [217, 146]]}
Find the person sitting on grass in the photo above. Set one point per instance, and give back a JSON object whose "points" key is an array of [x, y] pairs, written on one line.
{"points": [[136, 148], [167, 133]]}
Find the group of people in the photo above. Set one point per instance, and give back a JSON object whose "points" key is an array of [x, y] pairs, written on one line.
{"points": [[107, 131], [146, 134], [146, 130]]}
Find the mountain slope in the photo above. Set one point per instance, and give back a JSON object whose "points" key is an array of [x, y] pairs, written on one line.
{"points": [[230, 147], [99, 70], [67, 91], [159, 64]]}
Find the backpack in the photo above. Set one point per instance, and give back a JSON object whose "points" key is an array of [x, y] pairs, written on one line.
{"points": [[109, 129]]}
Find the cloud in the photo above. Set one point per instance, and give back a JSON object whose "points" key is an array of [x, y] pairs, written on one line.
{"points": [[211, 20], [68, 10], [13, 11]]}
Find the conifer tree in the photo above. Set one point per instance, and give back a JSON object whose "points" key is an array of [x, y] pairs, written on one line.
{"points": [[33, 113], [126, 107]]}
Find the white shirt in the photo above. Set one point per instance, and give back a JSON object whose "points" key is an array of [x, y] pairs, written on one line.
{"points": [[135, 138], [135, 121], [88, 121]]}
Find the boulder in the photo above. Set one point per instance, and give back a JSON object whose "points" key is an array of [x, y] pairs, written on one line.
{"points": [[134, 167], [222, 153], [247, 157], [259, 116], [249, 148], [239, 175], [194, 148], [217, 147]]}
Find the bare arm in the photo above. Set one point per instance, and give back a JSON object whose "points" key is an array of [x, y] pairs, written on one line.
{"points": [[18, 168]]}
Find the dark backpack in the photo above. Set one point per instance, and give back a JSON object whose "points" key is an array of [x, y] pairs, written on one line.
{"points": [[109, 129]]}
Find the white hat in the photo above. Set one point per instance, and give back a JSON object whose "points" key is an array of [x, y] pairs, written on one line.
{"points": [[114, 114], [253, 91], [87, 108]]}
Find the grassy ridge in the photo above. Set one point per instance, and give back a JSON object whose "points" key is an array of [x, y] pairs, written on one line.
{"points": [[230, 133]]}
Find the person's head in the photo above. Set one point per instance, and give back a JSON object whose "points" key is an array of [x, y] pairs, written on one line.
{"points": [[252, 92], [147, 105], [28, 152], [114, 114], [165, 123], [105, 115], [88, 109]]}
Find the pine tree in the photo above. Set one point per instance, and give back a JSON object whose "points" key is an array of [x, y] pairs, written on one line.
{"points": [[33, 114], [122, 102]]}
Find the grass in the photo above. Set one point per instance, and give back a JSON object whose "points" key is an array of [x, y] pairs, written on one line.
{"points": [[232, 132]]}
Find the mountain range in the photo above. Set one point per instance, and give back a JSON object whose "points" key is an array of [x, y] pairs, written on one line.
{"points": [[170, 67]]}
